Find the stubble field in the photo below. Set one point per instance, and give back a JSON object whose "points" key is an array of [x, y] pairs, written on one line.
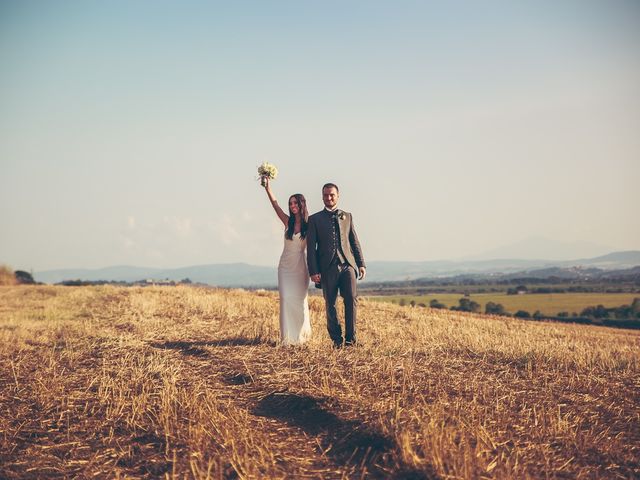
{"points": [[183, 382]]}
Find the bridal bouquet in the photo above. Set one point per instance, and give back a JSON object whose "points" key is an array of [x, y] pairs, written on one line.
{"points": [[267, 170]]}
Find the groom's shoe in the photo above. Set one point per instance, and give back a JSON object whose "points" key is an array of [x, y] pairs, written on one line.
{"points": [[350, 343]]}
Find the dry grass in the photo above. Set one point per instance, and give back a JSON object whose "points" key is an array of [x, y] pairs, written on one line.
{"points": [[181, 382], [7, 277]]}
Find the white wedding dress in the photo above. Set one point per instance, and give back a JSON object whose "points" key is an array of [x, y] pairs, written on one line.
{"points": [[293, 285]]}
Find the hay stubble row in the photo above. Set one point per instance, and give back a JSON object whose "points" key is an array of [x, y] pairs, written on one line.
{"points": [[183, 382]]}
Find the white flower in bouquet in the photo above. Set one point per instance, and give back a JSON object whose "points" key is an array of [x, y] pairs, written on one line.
{"points": [[267, 170]]}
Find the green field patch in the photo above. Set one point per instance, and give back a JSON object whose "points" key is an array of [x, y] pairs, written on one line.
{"points": [[548, 304]]}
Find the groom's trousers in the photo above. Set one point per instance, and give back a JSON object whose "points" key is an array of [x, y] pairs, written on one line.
{"points": [[340, 278]]}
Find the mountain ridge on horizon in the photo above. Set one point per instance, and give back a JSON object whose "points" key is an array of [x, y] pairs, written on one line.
{"points": [[239, 274], [538, 247]]}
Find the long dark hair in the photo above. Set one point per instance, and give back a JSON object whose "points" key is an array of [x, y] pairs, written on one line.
{"points": [[302, 206]]}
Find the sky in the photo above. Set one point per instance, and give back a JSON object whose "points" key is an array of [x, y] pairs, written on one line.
{"points": [[131, 132]]}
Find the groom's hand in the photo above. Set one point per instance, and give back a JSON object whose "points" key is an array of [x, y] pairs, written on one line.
{"points": [[362, 273], [315, 278]]}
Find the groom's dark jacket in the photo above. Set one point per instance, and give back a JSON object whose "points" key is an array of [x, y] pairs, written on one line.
{"points": [[329, 236]]}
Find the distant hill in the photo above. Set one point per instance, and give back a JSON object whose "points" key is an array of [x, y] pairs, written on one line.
{"points": [[628, 259], [245, 275], [403, 271], [536, 247], [124, 273], [228, 275]]}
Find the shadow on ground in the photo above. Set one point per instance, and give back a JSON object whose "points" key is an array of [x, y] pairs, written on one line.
{"points": [[350, 444], [346, 442], [197, 348]]}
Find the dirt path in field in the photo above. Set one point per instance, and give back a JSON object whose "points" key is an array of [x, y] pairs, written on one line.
{"points": [[310, 433]]}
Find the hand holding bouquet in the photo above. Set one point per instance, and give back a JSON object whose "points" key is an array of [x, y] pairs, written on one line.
{"points": [[267, 171]]}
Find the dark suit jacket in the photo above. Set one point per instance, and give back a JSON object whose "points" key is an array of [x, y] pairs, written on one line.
{"points": [[320, 247]]}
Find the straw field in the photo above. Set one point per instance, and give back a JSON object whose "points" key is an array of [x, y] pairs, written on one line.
{"points": [[184, 382], [7, 277]]}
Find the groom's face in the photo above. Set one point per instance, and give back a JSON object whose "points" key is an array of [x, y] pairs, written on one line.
{"points": [[330, 197]]}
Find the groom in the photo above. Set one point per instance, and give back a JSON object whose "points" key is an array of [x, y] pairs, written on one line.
{"points": [[334, 258]]}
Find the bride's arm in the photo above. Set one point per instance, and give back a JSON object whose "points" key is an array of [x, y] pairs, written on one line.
{"points": [[274, 203]]}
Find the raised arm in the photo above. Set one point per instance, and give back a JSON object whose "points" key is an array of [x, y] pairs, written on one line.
{"points": [[274, 203]]}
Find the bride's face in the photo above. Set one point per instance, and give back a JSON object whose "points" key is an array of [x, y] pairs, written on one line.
{"points": [[294, 208]]}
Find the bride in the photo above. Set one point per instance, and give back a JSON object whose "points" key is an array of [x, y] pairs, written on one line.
{"points": [[293, 275]]}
